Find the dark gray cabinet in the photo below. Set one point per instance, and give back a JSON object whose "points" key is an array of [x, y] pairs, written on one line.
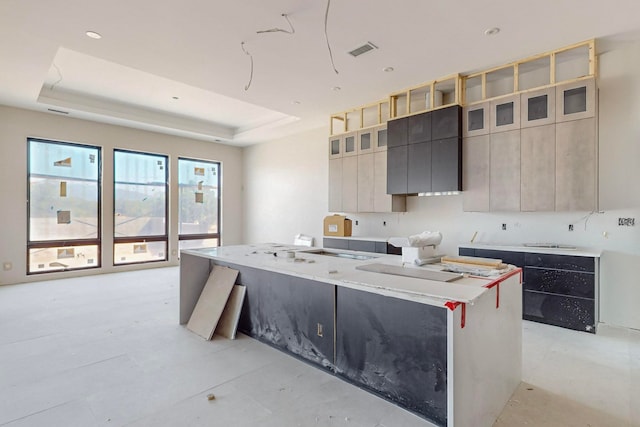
{"points": [[419, 167], [397, 133], [419, 128], [558, 290], [425, 152], [380, 247], [446, 123], [394, 348], [397, 158], [446, 164], [290, 313]]}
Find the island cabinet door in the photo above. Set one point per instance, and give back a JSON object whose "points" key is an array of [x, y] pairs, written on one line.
{"points": [[290, 313], [394, 348]]}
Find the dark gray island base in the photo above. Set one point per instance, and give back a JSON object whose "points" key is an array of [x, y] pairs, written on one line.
{"points": [[400, 349]]}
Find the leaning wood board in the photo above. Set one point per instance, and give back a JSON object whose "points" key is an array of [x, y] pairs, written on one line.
{"points": [[228, 324], [440, 276], [210, 305]]}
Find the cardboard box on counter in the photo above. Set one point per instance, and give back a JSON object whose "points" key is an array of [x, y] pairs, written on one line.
{"points": [[337, 225]]}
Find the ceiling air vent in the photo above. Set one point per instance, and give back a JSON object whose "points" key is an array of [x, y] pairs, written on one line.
{"points": [[363, 49]]}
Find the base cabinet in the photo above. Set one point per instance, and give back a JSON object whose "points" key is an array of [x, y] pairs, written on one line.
{"points": [[559, 290], [394, 348], [290, 313], [375, 246]]}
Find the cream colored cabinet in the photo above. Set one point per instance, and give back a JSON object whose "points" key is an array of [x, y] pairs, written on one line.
{"points": [[475, 173], [538, 168], [504, 179], [538, 108], [576, 100], [505, 114], [380, 138], [336, 147], [366, 141], [366, 182], [383, 202], [358, 173], [576, 165], [476, 119], [335, 185], [350, 144], [350, 184]]}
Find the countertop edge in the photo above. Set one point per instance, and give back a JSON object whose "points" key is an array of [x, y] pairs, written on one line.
{"points": [[579, 251]]}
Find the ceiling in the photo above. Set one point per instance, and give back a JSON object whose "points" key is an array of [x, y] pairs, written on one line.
{"points": [[179, 67]]}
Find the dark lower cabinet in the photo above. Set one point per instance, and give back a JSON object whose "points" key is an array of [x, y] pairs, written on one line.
{"points": [[290, 313], [379, 247], [362, 245], [558, 290], [394, 348], [559, 310]]}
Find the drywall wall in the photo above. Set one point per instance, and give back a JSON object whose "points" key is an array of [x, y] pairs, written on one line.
{"points": [[17, 125], [298, 166], [286, 188]]}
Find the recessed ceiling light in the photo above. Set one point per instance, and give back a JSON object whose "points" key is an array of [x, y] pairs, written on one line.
{"points": [[93, 35], [336, 88], [387, 69], [296, 102], [491, 31]]}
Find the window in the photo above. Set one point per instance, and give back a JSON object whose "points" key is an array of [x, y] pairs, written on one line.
{"points": [[199, 203], [63, 206], [140, 207]]}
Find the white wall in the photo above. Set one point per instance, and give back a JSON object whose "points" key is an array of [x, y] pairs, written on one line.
{"points": [[17, 125], [287, 192], [286, 188]]}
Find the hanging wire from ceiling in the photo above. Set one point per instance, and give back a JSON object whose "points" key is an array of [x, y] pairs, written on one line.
{"points": [[326, 36], [278, 29], [248, 85]]}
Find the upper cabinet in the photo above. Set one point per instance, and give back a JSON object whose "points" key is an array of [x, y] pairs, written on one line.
{"points": [[358, 173], [425, 152], [505, 114], [538, 108], [576, 100], [517, 137], [476, 119], [336, 147], [350, 144]]}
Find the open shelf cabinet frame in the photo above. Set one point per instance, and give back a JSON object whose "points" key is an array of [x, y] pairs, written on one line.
{"points": [[363, 117], [511, 73]]}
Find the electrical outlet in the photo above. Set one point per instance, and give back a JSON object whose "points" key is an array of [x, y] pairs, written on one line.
{"points": [[504, 227], [628, 222], [7, 266], [570, 227], [356, 222]]}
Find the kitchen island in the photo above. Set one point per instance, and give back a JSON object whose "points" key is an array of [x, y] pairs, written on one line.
{"points": [[449, 352]]}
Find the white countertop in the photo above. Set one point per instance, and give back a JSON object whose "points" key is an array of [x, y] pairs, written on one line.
{"points": [[574, 251], [343, 272]]}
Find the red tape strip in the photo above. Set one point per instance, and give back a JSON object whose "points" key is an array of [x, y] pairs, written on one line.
{"points": [[452, 305]]}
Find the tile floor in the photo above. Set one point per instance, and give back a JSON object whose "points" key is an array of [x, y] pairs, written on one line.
{"points": [[107, 350]]}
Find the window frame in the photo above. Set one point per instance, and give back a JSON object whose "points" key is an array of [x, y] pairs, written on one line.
{"points": [[142, 239], [202, 236], [62, 243]]}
